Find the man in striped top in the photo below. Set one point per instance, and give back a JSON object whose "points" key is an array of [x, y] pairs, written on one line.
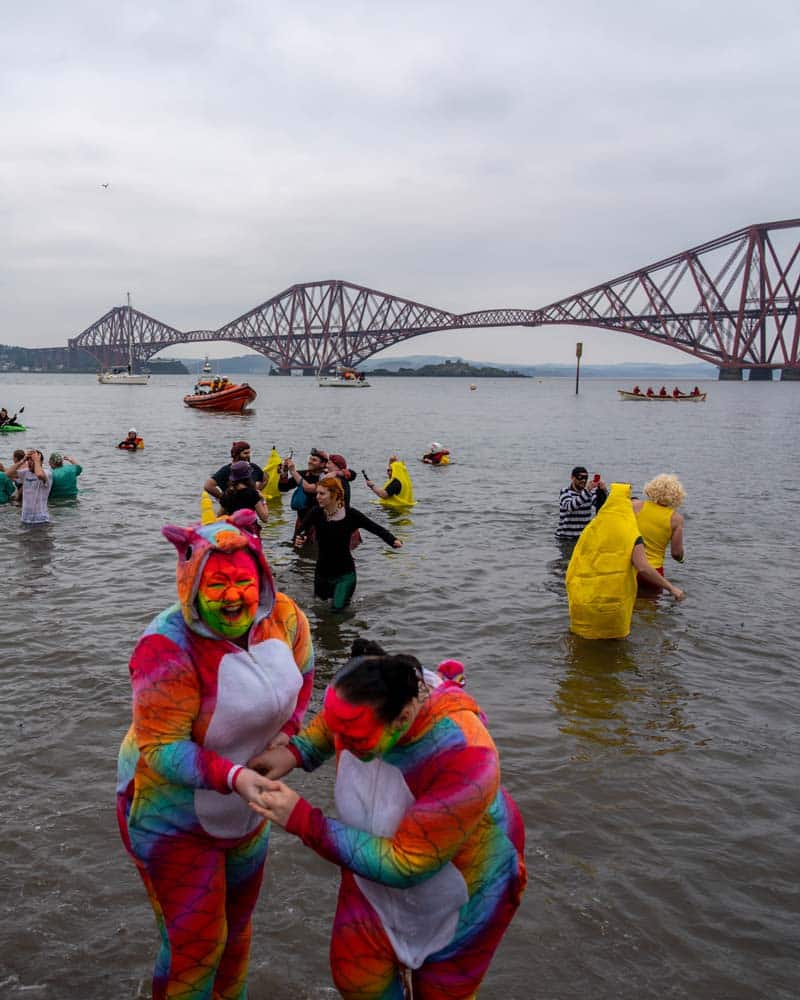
{"points": [[577, 502]]}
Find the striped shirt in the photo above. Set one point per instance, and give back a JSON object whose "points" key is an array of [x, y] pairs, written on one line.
{"points": [[575, 510]]}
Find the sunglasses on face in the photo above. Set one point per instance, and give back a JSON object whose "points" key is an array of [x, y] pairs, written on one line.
{"points": [[583, 477]]}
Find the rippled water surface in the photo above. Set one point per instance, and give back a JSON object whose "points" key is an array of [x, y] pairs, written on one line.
{"points": [[657, 775]]}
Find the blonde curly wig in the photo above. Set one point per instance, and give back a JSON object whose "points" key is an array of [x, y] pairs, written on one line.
{"points": [[665, 490]]}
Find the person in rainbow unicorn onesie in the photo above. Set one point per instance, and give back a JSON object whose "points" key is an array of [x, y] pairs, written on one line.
{"points": [[430, 845], [216, 677]]}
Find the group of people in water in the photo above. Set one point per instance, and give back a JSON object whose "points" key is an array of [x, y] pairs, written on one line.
{"points": [[32, 484], [320, 497], [616, 547], [429, 844]]}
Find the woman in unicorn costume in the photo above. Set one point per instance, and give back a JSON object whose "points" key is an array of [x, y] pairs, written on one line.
{"points": [[216, 677], [429, 844]]}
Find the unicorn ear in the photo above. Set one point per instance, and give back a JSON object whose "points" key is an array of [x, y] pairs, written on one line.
{"points": [[243, 519], [180, 537]]}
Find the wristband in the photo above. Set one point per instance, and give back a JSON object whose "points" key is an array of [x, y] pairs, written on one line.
{"points": [[233, 774]]}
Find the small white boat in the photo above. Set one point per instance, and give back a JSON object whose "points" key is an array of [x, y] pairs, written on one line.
{"points": [[206, 369], [348, 378], [121, 376], [124, 374]]}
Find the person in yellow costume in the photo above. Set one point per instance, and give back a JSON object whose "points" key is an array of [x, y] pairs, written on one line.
{"points": [[397, 491], [272, 470], [601, 576], [659, 522]]}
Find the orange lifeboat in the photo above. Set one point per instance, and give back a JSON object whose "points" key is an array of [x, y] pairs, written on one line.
{"points": [[220, 395]]}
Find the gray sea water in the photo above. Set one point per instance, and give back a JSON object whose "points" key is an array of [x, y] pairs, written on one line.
{"points": [[658, 776]]}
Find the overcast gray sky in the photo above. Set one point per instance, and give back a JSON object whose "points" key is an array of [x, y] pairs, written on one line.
{"points": [[464, 155]]}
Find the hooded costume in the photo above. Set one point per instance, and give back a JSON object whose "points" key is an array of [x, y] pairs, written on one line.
{"points": [[405, 498], [202, 706], [601, 579], [431, 848]]}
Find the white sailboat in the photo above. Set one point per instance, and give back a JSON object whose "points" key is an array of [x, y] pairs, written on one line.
{"points": [[124, 375]]}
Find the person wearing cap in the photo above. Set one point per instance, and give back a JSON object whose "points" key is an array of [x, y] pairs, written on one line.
{"points": [[303, 483], [436, 455], [216, 678], [65, 477], [132, 441], [217, 484], [577, 503], [241, 494], [337, 466]]}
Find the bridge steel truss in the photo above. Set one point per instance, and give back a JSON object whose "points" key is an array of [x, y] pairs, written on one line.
{"points": [[732, 302], [321, 325]]}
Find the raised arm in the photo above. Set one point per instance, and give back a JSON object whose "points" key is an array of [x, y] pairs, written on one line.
{"points": [[574, 500]]}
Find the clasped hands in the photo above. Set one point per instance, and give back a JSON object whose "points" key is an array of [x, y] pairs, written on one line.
{"points": [[258, 785]]}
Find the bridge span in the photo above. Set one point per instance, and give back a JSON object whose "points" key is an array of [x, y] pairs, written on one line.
{"points": [[732, 302]]}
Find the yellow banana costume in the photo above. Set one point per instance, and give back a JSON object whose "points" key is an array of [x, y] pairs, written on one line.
{"points": [[270, 491], [405, 498], [601, 580]]}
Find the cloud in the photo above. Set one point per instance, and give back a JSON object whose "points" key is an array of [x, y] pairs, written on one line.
{"points": [[464, 156]]}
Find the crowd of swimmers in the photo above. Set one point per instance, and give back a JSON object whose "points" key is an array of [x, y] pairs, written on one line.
{"points": [[429, 845]]}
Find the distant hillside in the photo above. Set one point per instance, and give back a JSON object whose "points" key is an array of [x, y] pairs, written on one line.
{"points": [[625, 371], [451, 369], [254, 364]]}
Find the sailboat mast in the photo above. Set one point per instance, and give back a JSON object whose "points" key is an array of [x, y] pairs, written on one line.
{"points": [[130, 336]]}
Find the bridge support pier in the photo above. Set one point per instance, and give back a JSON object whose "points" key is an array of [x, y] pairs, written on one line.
{"points": [[730, 374], [760, 375], [790, 374]]}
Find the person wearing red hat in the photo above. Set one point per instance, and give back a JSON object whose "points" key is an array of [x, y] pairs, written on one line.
{"points": [[337, 466], [217, 484]]}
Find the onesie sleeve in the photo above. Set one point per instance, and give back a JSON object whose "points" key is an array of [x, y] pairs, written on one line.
{"points": [[460, 787], [166, 703], [314, 745]]}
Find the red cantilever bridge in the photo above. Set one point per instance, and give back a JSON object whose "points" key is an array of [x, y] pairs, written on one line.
{"points": [[732, 302]]}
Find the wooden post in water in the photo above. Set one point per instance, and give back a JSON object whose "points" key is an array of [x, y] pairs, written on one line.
{"points": [[578, 352]]}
